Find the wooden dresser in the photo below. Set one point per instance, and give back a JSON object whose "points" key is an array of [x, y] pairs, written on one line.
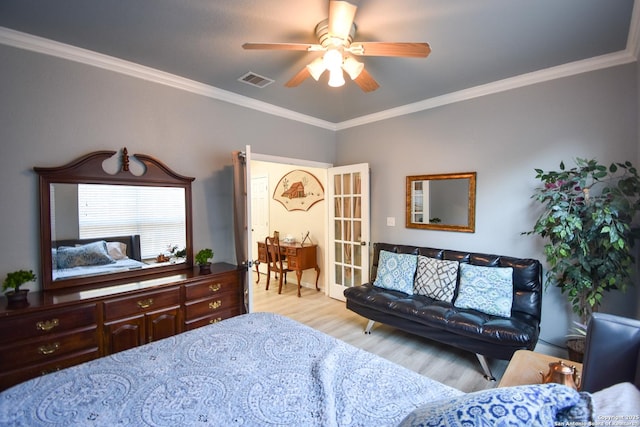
{"points": [[64, 328]]}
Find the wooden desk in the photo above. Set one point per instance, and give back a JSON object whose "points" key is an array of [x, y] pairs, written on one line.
{"points": [[298, 258], [525, 367]]}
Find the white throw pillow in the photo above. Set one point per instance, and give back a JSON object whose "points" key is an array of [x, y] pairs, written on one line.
{"points": [[117, 250], [618, 403]]}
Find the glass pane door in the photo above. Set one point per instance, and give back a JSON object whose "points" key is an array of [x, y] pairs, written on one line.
{"points": [[348, 190]]}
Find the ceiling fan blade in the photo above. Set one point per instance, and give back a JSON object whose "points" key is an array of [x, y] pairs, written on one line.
{"points": [[341, 15], [412, 50], [282, 46], [366, 82], [298, 78]]}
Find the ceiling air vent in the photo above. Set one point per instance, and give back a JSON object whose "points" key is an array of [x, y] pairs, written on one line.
{"points": [[256, 80]]}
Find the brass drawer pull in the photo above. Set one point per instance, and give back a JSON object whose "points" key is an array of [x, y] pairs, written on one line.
{"points": [[215, 288], [49, 348], [215, 305], [48, 371], [47, 325], [216, 320], [145, 303]]}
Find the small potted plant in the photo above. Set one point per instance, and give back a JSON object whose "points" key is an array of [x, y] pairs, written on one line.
{"points": [[17, 297], [180, 253], [177, 255], [202, 259]]}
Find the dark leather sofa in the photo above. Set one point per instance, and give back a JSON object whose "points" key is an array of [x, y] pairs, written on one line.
{"points": [[467, 329]]}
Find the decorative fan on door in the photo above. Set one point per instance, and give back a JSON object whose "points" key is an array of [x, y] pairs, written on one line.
{"points": [[335, 37]]}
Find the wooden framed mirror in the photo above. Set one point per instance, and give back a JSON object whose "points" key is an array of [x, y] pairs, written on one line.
{"points": [[441, 202], [135, 218]]}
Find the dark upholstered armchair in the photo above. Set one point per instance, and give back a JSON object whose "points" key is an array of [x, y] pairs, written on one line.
{"points": [[612, 353]]}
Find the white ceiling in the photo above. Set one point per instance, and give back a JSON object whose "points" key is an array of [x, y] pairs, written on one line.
{"points": [[477, 45]]}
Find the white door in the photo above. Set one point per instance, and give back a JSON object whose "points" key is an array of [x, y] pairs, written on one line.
{"points": [[348, 204], [259, 210], [249, 234]]}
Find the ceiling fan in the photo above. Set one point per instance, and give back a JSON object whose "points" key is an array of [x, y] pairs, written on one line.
{"points": [[335, 37]]}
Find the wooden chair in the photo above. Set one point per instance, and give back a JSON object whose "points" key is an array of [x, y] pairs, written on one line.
{"points": [[275, 261]]}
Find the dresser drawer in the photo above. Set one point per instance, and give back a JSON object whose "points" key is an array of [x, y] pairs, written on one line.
{"points": [[213, 286], [46, 323], [10, 378], [140, 303], [48, 348], [211, 306], [214, 318]]}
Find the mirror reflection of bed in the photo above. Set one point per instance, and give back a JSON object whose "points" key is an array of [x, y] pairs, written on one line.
{"points": [[88, 257], [86, 214]]}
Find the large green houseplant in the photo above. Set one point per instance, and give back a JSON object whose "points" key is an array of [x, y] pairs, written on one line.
{"points": [[587, 222]]}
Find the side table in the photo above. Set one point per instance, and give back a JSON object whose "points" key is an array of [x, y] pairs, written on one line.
{"points": [[525, 367]]}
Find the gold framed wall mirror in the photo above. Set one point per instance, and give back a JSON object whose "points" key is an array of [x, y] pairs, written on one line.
{"points": [[441, 202]]}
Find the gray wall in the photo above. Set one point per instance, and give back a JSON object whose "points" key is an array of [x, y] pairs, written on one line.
{"points": [[53, 111], [502, 137]]}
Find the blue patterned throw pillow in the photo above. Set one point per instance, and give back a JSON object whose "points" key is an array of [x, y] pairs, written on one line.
{"points": [[94, 253], [531, 405], [486, 289], [396, 271]]}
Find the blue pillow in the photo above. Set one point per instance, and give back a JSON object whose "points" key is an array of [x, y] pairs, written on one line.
{"points": [[531, 405], [396, 271], [486, 289], [94, 253], [54, 258]]}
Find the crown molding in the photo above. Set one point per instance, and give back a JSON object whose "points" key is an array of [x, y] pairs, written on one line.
{"points": [[633, 39], [33, 43], [566, 70]]}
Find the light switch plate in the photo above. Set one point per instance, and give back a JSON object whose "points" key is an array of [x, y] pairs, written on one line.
{"points": [[391, 221]]}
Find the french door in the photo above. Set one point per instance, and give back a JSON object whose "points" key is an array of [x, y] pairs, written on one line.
{"points": [[348, 204], [347, 242], [246, 237]]}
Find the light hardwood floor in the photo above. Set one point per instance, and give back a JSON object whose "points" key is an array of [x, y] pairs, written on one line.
{"points": [[446, 364]]}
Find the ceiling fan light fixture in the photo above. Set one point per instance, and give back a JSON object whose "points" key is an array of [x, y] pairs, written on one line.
{"points": [[332, 59], [336, 39], [336, 78], [353, 67], [316, 68]]}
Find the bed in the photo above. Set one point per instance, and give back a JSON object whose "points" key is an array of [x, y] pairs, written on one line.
{"points": [[254, 369], [87, 257], [263, 369]]}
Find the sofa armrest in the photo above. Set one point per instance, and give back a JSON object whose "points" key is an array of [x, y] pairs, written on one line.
{"points": [[612, 352]]}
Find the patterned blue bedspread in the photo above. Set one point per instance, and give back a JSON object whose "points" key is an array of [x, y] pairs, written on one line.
{"points": [[258, 369]]}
